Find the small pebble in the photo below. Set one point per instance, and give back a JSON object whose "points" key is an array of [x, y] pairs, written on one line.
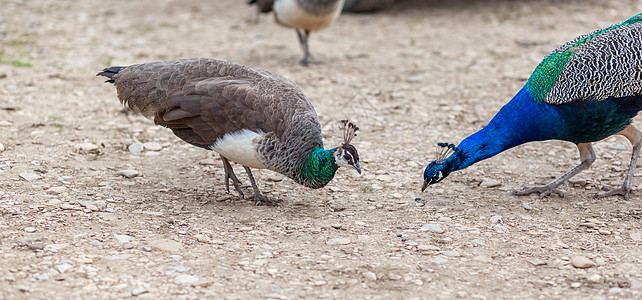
{"points": [[338, 241], [202, 238], [1, 147], [445, 219], [128, 173], [85, 148], [436, 228], [30, 229], [139, 291], [427, 248], [135, 148], [29, 176], [451, 253], [207, 162], [594, 278], [527, 206], [576, 285], [152, 146], [166, 245], [635, 236], [56, 190], [496, 219], [582, 262], [123, 238], [186, 279], [489, 183], [370, 275], [604, 232], [537, 262]]}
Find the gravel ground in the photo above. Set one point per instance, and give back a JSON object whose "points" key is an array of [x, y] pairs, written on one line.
{"points": [[81, 216]]}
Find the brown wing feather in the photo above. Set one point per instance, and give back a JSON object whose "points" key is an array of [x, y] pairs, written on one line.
{"points": [[203, 99]]}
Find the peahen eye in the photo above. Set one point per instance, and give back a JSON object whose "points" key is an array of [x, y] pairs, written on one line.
{"points": [[346, 157]]}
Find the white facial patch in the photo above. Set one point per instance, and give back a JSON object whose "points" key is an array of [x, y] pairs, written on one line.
{"points": [[240, 147]]}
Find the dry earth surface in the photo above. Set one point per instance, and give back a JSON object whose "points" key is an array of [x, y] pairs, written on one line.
{"points": [[73, 226]]}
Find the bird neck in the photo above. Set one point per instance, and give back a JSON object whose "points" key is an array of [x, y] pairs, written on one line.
{"points": [[318, 168], [520, 121]]}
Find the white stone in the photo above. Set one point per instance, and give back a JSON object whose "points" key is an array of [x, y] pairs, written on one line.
{"points": [[186, 279], [635, 236], [338, 241], [30, 229], [152, 146], [123, 238], [370, 275], [436, 228], [135, 148], [582, 262], [129, 173], [489, 183], [56, 190], [29, 176], [1, 147], [86, 148], [427, 248], [166, 245]]}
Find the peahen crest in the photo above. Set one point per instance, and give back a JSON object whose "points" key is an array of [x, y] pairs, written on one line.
{"points": [[444, 151], [349, 131]]}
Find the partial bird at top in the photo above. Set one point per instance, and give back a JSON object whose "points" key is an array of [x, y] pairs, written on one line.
{"points": [[584, 91], [304, 16], [252, 117]]}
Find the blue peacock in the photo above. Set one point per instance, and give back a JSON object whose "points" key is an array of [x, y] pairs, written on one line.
{"points": [[584, 91]]}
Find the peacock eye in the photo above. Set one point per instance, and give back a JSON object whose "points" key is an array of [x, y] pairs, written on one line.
{"points": [[346, 157]]}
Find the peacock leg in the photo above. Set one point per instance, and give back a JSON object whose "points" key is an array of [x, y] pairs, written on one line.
{"points": [[258, 196], [229, 175], [635, 137], [587, 156], [303, 40]]}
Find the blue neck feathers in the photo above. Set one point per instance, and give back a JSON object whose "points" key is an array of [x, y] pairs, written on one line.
{"points": [[520, 121]]}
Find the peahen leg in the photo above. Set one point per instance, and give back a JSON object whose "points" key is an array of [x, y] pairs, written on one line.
{"points": [[258, 196], [229, 175], [587, 156], [635, 137], [303, 39]]}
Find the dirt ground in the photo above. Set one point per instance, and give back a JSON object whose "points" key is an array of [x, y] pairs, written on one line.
{"points": [[422, 72]]}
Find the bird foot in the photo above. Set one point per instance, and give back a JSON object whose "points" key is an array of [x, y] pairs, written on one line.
{"points": [[622, 191], [543, 191], [265, 200], [308, 60], [235, 181]]}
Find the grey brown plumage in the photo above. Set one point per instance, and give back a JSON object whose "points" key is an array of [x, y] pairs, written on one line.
{"points": [[205, 100]]}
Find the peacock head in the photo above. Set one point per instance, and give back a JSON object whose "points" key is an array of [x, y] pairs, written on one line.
{"points": [[346, 155], [437, 170]]}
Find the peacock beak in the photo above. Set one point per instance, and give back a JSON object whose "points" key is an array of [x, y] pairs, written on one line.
{"points": [[426, 184], [357, 167]]}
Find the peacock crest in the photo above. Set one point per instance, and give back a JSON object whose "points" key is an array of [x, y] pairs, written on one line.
{"points": [[349, 131], [444, 151]]}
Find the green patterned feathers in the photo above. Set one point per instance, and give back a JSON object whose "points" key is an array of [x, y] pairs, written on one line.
{"points": [[558, 68], [319, 168]]}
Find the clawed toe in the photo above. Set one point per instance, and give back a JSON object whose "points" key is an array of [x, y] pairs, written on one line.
{"points": [[265, 200], [542, 190], [621, 191]]}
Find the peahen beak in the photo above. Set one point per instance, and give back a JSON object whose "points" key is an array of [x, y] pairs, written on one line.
{"points": [[357, 167]]}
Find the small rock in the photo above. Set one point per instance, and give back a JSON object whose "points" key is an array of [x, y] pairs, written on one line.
{"points": [[394, 276], [202, 238], [56, 190], [1, 147], [43, 277], [4, 123], [445, 219], [152, 153], [30, 229], [181, 269], [135, 148], [54, 247], [338, 241], [594, 278], [370, 275], [63, 268], [489, 183], [436, 228], [576, 284], [527, 206], [29, 176], [427, 248], [582, 262], [635, 236], [128, 173], [152, 146], [37, 246], [462, 295], [122, 238], [604, 232], [207, 162], [139, 291], [166, 245], [276, 178], [383, 177], [85, 148], [496, 219], [186, 279]]}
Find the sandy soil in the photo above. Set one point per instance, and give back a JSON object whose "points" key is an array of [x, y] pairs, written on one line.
{"points": [[419, 73]]}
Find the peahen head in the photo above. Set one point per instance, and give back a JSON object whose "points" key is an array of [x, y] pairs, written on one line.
{"points": [[346, 155], [438, 169]]}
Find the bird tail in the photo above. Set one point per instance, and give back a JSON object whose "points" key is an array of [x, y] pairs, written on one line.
{"points": [[110, 72]]}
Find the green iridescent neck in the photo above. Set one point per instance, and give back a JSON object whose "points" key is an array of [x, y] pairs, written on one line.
{"points": [[318, 168]]}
